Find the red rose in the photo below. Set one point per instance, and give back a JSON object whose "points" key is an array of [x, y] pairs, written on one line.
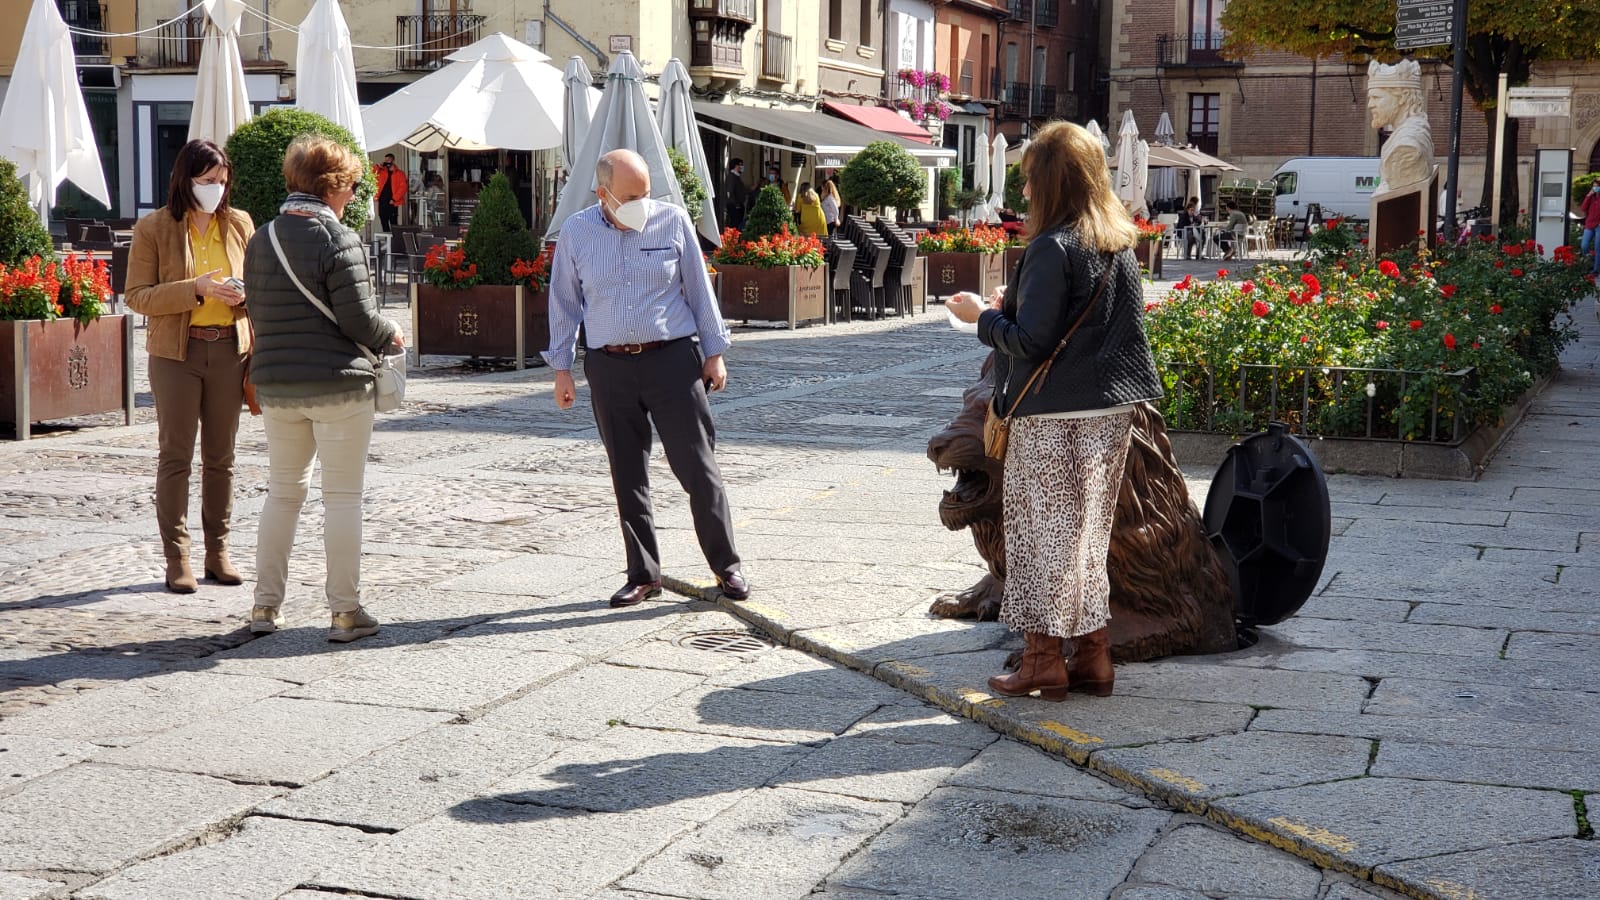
{"points": [[1304, 339], [1388, 268], [1415, 324], [1516, 273], [1476, 345], [1382, 324], [1448, 290], [1259, 309], [1246, 288], [1449, 341], [1222, 273], [1313, 286], [1496, 309]]}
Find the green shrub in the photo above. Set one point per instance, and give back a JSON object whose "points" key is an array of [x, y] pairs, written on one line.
{"points": [[498, 235], [21, 233], [256, 151], [1580, 185], [883, 174], [1014, 182], [769, 216], [689, 184], [949, 182]]}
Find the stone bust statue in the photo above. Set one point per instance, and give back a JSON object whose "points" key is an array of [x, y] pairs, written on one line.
{"points": [[1394, 99]]}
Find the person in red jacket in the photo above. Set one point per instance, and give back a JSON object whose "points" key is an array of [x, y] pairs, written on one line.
{"points": [[1591, 218], [391, 190]]}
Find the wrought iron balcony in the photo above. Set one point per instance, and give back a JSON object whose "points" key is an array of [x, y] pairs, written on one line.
{"points": [[177, 42], [736, 10], [716, 36], [1044, 101], [89, 15], [1201, 49], [776, 51], [1013, 97], [427, 40], [1020, 9], [1047, 14]]}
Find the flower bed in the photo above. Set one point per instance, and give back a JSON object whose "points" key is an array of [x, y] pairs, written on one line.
{"points": [[1426, 346], [965, 259], [776, 278]]}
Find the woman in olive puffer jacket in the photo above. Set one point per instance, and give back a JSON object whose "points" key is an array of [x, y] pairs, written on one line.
{"points": [[314, 383]]}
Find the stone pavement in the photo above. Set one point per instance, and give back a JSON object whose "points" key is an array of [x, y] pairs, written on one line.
{"points": [[1423, 722]]}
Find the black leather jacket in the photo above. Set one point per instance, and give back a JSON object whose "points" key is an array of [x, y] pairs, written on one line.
{"points": [[1107, 363]]}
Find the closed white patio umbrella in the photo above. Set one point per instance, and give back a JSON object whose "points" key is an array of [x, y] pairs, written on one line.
{"points": [[1129, 183], [675, 116], [325, 82], [44, 124], [623, 120], [577, 108], [1094, 128], [981, 175], [498, 93], [220, 102], [1164, 180], [997, 177]]}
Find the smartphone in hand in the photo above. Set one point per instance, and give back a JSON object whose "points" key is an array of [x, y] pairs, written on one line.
{"points": [[234, 283]]}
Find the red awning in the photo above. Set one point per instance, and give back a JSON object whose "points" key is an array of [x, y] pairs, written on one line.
{"points": [[880, 118]]}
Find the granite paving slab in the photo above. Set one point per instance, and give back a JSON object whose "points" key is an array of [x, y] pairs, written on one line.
{"points": [[1216, 863], [588, 701], [439, 677], [17, 887], [59, 821], [756, 715], [27, 756], [875, 769], [1557, 868], [1009, 765], [1565, 770], [1179, 772], [128, 713]]}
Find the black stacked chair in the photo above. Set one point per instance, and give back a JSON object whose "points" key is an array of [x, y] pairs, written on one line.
{"points": [[841, 257], [902, 266], [871, 264]]}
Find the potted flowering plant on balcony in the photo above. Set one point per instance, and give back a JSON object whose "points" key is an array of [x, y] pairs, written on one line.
{"points": [[1148, 249], [964, 259], [777, 278], [60, 356], [486, 298]]}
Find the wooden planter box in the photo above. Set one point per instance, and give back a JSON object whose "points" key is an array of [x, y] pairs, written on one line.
{"points": [[951, 273], [919, 284], [1148, 253], [59, 369], [792, 294], [495, 320]]}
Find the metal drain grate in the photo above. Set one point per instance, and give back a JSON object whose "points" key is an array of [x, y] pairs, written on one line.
{"points": [[724, 642]]}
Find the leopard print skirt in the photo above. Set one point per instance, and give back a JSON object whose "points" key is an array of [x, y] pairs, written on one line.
{"points": [[1062, 479]]}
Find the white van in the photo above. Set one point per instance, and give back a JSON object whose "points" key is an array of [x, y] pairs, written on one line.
{"points": [[1340, 185]]}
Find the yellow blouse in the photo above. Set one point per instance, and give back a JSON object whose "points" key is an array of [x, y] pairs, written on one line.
{"points": [[209, 253]]}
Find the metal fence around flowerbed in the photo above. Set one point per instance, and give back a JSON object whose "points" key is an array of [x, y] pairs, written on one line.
{"points": [[1322, 401]]}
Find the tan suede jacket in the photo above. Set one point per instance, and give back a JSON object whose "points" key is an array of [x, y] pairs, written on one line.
{"points": [[161, 279]]}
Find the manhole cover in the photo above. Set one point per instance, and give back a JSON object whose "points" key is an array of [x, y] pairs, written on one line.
{"points": [[724, 642]]}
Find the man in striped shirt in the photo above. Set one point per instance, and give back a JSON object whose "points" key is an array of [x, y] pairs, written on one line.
{"points": [[628, 269]]}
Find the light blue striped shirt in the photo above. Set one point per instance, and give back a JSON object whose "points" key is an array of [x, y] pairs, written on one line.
{"points": [[628, 287]]}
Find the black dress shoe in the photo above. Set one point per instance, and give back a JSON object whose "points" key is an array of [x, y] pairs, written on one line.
{"points": [[734, 586], [634, 594]]}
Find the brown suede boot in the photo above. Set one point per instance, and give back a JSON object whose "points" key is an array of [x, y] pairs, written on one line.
{"points": [[1043, 669], [1090, 668], [180, 577], [220, 569]]}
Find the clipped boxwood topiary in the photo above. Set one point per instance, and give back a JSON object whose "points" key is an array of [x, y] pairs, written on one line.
{"points": [[770, 215], [498, 235], [1014, 182], [883, 174], [256, 151], [949, 184], [21, 233], [689, 184]]}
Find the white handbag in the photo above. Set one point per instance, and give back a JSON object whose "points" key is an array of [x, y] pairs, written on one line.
{"points": [[388, 370]]}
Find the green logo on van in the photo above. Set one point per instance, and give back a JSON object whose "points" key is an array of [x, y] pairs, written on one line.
{"points": [[1366, 183]]}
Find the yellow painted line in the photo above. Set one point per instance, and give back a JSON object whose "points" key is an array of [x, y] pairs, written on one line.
{"points": [[1172, 776], [975, 696], [819, 495], [908, 669], [1451, 889], [1071, 734], [1320, 836], [761, 608]]}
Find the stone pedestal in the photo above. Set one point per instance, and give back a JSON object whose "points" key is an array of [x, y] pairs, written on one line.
{"points": [[1404, 216]]}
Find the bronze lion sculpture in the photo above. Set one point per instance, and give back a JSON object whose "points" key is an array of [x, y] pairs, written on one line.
{"points": [[1169, 592]]}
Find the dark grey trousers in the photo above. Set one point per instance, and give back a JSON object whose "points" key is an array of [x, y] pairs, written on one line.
{"points": [[663, 386]]}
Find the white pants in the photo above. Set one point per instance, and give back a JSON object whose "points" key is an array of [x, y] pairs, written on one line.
{"points": [[296, 436]]}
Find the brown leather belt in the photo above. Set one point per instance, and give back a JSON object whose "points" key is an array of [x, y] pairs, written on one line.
{"points": [[211, 332], [632, 349]]}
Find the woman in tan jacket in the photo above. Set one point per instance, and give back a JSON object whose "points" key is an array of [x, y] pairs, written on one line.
{"points": [[199, 340]]}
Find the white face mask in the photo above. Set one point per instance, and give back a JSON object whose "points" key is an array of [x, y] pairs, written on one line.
{"points": [[208, 196], [632, 215]]}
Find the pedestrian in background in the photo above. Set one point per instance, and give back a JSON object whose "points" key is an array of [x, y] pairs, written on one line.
{"points": [[198, 337], [1591, 219], [314, 383], [775, 176], [1234, 231], [628, 269], [735, 195], [391, 191], [830, 203], [1073, 316], [1190, 223], [809, 213]]}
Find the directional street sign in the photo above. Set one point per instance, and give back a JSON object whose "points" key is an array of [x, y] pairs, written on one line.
{"points": [[1423, 23]]}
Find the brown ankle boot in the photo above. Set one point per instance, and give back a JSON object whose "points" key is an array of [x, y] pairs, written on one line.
{"points": [[1090, 667], [180, 578], [220, 569], [1043, 669]]}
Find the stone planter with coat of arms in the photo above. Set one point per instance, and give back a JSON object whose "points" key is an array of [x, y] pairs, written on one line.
{"points": [[795, 295], [952, 273], [488, 320], [62, 368]]}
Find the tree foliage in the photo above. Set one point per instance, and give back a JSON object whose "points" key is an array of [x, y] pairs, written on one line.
{"points": [[689, 184], [948, 184], [769, 215], [256, 150], [1014, 182], [883, 174], [1502, 36], [498, 235], [21, 233]]}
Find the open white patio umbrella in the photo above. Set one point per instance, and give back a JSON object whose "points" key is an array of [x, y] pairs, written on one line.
{"points": [[325, 81], [577, 107], [997, 177], [498, 92], [1129, 183], [981, 175], [44, 124], [220, 102], [623, 119], [675, 116]]}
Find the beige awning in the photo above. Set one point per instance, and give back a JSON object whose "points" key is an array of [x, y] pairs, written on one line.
{"points": [[1186, 158]]}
